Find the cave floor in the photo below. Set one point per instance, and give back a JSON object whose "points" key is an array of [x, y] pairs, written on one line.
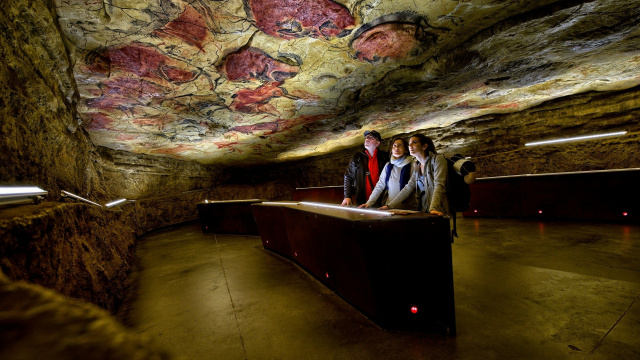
{"points": [[524, 289]]}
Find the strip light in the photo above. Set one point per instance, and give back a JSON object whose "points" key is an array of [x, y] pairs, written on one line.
{"points": [[337, 207], [21, 194], [279, 203], [66, 193], [577, 138], [115, 203]]}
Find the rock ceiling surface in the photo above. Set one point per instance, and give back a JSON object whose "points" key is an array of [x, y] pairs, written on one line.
{"points": [[271, 80]]}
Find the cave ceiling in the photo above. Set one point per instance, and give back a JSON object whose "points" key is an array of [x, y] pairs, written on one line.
{"points": [[272, 80]]}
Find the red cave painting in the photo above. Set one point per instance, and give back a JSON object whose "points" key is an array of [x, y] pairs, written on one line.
{"points": [[268, 128], [99, 121], [149, 62], [252, 63], [137, 74], [226, 144], [160, 122], [174, 151], [389, 40], [190, 27], [271, 127], [251, 101], [290, 19]]}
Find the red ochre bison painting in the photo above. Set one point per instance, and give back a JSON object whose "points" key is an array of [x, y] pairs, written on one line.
{"points": [[190, 27], [393, 36], [253, 63], [290, 19]]}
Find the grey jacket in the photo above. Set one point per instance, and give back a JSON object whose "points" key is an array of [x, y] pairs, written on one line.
{"points": [[430, 187]]}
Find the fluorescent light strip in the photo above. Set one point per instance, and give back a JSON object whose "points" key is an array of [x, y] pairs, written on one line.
{"points": [[21, 191], [66, 193], [337, 207], [279, 203], [586, 137], [115, 203]]}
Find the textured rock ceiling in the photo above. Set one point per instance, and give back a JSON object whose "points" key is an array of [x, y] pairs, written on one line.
{"points": [[270, 80]]}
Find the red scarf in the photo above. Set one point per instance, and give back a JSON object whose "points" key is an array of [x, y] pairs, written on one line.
{"points": [[373, 170]]}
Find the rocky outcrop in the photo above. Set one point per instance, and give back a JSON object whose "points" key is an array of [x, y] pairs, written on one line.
{"points": [[38, 323]]}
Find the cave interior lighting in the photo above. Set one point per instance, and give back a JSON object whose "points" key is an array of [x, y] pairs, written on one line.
{"points": [[73, 196], [338, 207], [576, 138], [12, 195], [115, 203]]}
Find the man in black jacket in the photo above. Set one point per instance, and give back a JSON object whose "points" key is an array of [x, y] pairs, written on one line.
{"points": [[364, 170]]}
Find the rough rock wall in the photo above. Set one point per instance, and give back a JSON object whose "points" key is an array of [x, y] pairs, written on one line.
{"points": [[37, 323], [497, 142], [84, 251], [42, 142]]}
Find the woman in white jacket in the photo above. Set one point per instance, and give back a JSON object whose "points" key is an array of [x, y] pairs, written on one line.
{"points": [[394, 176]]}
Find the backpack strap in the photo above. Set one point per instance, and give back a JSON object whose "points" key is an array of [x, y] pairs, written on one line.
{"points": [[405, 174], [386, 181]]}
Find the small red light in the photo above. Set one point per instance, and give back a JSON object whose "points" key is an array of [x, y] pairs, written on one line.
{"points": [[475, 210], [539, 211], [327, 274], [414, 309], [624, 213], [295, 254], [267, 241]]}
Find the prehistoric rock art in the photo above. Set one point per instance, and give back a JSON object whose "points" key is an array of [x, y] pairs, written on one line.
{"points": [[289, 19], [394, 36], [253, 64], [227, 81]]}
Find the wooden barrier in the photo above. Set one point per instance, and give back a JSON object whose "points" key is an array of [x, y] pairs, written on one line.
{"points": [[323, 194], [396, 270], [609, 195], [228, 217]]}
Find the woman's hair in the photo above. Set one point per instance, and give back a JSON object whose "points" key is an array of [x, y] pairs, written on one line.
{"points": [[405, 144], [423, 139]]}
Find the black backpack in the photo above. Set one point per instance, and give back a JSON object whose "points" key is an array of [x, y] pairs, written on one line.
{"points": [[458, 190]]}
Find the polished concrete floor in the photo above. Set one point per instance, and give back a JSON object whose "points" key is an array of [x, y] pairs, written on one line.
{"points": [[524, 290]]}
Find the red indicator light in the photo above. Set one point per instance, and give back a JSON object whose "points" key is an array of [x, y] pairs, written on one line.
{"points": [[624, 213], [475, 211], [295, 254], [539, 211], [414, 309], [267, 241], [327, 274]]}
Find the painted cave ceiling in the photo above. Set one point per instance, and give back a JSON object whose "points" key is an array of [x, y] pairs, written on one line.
{"points": [[272, 80]]}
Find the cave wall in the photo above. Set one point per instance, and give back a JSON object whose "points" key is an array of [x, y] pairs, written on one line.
{"points": [[39, 323], [42, 142], [496, 142]]}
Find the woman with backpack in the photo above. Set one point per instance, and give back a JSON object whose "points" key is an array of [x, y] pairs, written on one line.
{"points": [[428, 179], [393, 178]]}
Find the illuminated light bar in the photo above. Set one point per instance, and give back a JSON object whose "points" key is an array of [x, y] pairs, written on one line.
{"points": [[577, 138], [21, 194], [558, 173], [115, 203], [66, 193], [338, 207], [231, 201], [279, 203]]}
